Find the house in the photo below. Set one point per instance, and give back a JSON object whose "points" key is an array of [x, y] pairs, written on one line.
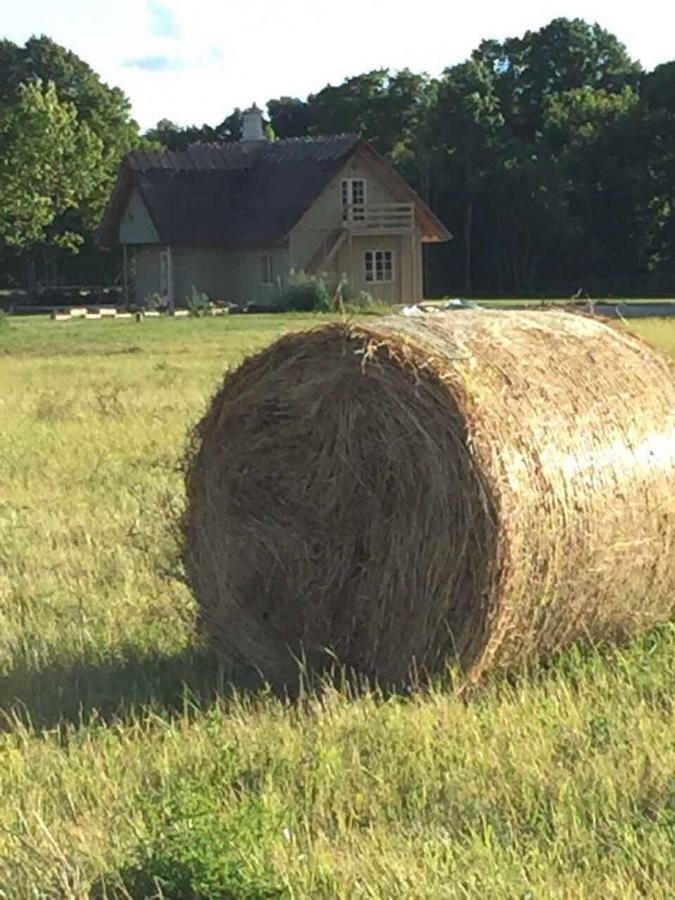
{"points": [[233, 220]]}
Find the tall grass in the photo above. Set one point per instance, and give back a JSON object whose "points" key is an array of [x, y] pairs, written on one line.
{"points": [[129, 768]]}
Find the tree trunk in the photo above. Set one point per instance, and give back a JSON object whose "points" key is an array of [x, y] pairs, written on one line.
{"points": [[31, 275], [468, 225]]}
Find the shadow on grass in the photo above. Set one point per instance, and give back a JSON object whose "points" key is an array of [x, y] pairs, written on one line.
{"points": [[117, 689]]}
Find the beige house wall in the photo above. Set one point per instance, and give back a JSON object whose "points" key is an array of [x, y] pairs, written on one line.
{"points": [[136, 226], [146, 270], [247, 286], [210, 270], [407, 249], [323, 220], [225, 275]]}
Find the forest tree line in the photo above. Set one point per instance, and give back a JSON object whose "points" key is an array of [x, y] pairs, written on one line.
{"points": [[550, 157]]}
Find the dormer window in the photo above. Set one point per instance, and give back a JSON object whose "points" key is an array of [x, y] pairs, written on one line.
{"points": [[353, 199]]}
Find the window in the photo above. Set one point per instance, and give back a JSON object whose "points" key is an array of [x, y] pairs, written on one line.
{"points": [[353, 199], [266, 270], [379, 266]]}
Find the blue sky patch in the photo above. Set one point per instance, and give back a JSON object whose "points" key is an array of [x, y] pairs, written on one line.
{"points": [[154, 63], [163, 22]]}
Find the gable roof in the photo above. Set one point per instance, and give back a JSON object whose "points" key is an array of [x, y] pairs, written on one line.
{"points": [[237, 194]]}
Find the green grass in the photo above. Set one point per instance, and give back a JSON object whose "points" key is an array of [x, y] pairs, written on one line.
{"points": [[128, 769]]}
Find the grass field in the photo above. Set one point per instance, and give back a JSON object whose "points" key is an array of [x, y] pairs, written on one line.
{"points": [[128, 769]]}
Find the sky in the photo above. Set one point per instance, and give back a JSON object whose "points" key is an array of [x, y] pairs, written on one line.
{"points": [[194, 61]]}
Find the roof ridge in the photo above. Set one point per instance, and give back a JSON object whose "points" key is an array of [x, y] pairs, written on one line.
{"points": [[301, 139], [310, 138], [228, 155]]}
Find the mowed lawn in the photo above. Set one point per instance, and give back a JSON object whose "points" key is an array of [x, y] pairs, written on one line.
{"points": [[129, 768]]}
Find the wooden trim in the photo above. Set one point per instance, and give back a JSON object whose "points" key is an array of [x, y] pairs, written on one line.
{"points": [[269, 268], [169, 277], [125, 269]]}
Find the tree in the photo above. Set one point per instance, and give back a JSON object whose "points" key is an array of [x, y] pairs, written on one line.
{"points": [[291, 117], [105, 110], [49, 164], [563, 55], [464, 131], [80, 111], [658, 136], [177, 137], [384, 107]]}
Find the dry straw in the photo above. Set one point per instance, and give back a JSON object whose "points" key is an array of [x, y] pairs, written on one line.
{"points": [[478, 486]]}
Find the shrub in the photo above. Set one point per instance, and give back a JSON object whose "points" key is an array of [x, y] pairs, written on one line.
{"points": [[151, 301], [197, 302], [305, 293]]}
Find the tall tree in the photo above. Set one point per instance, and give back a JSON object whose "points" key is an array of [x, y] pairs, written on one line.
{"points": [[105, 110], [563, 55], [50, 163], [465, 123], [291, 117], [658, 137], [385, 107]]}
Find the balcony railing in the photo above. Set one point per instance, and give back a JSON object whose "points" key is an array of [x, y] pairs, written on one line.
{"points": [[379, 218]]}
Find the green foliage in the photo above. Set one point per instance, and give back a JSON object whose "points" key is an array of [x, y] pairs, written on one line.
{"points": [[325, 292], [48, 165], [197, 850], [305, 293], [152, 301], [104, 110], [177, 137], [63, 133], [580, 116], [197, 302]]}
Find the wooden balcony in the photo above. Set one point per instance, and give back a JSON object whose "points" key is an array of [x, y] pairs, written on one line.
{"points": [[379, 218]]}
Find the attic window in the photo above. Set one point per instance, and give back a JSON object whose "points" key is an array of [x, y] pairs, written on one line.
{"points": [[266, 270], [379, 266]]}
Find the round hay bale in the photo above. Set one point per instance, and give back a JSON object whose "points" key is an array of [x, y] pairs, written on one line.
{"points": [[480, 486]]}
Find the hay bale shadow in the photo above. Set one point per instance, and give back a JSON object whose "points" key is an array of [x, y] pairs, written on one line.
{"points": [[117, 689]]}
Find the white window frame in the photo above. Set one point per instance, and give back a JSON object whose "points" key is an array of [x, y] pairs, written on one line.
{"points": [[373, 266], [348, 201], [266, 269]]}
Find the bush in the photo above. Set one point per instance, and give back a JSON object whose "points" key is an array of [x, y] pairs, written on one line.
{"points": [[197, 302], [151, 301], [305, 293], [365, 304]]}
